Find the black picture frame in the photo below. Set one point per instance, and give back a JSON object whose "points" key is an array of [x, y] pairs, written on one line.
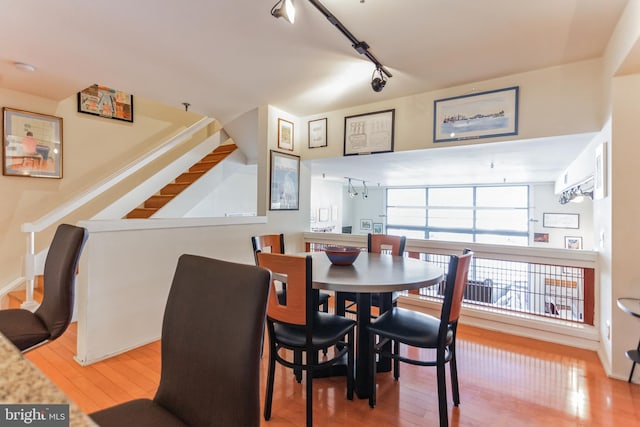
{"points": [[369, 133], [103, 101], [284, 182]]}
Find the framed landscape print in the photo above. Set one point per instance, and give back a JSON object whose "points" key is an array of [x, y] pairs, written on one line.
{"points": [[284, 182], [477, 115], [32, 144], [106, 102], [369, 133]]}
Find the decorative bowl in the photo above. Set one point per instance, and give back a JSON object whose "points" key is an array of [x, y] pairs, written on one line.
{"points": [[341, 255]]}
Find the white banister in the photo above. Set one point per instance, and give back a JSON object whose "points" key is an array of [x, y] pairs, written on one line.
{"points": [[57, 214], [64, 210]]}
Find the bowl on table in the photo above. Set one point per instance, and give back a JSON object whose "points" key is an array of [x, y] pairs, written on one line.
{"points": [[342, 255]]}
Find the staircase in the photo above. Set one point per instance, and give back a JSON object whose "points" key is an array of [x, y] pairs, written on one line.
{"points": [[16, 298], [169, 191]]}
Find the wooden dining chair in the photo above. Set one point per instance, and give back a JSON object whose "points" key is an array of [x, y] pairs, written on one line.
{"points": [[210, 350], [28, 330], [274, 243], [402, 326], [299, 327], [377, 244]]}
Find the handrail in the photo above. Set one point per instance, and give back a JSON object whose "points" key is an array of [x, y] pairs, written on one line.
{"points": [[57, 214], [64, 210]]}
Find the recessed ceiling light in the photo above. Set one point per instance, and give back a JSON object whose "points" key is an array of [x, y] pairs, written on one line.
{"points": [[25, 67]]}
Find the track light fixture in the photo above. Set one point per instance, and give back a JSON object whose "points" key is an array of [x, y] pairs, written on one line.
{"points": [[365, 190], [576, 193], [284, 9], [377, 83], [350, 190]]}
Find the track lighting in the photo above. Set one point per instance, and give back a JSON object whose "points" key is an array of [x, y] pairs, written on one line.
{"points": [[365, 190], [377, 83], [284, 9], [576, 194], [352, 191]]}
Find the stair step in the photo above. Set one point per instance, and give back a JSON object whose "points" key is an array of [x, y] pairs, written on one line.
{"points": [[173, 189], [214, 157], [189, 177], [141, 213], [203, 166], [226, 148], [158, 201], [16, 298]]}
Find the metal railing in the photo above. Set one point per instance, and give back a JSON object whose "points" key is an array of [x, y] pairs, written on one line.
{"points": [[547, 283]]}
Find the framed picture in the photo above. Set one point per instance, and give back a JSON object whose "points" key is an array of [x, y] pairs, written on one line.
{"points": [[600, 172], [106, 102], [377, 228], [369, 133], [285, 135], [318, 133], [284, 182], [323, 214], [366, 224], [477, 115], [32, 144], [541, 237], [558, 220], [572, 242]]}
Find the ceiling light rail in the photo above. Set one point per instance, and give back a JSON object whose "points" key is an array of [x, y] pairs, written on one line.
{"points": [[286, 10], [578, 192], [351, 191]]}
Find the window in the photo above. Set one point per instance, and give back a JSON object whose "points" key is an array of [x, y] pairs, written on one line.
{"points": [[483, 214]]}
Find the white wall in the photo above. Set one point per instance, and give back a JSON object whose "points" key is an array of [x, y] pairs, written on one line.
{"points": [[326, 201]]}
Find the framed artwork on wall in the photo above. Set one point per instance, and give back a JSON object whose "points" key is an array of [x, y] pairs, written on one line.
{"points": [[285, 135], [477, 115], [318, 133], [377, 228], [600, 172], [572, 242], [32, 144], [560, 220], [103, 101], [369, 133], [284, 182], [366, 224]]}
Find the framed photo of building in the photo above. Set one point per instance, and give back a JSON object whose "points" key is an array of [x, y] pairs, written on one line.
{"points": [[477, 115], [284, 182], [32, 144]]}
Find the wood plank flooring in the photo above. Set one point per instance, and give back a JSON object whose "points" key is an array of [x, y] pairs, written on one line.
{"points": [[504, 381]]}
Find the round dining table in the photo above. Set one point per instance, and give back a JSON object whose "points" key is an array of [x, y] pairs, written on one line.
{"points": [[371, 273]]}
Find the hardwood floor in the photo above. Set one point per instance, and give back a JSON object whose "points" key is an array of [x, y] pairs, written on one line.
{"points": [[504, 381]]}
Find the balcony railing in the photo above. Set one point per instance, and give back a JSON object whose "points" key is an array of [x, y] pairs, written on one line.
{"points": [[546, 283]]}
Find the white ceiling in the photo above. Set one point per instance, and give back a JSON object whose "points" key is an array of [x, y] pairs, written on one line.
{"points": [[227, 57]]}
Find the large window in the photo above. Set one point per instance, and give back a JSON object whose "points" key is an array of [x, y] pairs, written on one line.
{"points": [[483, 214]]}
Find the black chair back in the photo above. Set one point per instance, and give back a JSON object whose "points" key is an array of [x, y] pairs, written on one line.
{"points": [[61, 265], [211, 336]]}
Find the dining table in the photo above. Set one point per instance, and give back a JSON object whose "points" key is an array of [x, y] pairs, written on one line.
{"points": [[371, 273]]}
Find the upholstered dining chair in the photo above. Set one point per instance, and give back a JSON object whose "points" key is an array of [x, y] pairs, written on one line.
{"points": [[298, 326], [28, 330], [421, 330], [274, 243], [377, 244], [210, 350]]}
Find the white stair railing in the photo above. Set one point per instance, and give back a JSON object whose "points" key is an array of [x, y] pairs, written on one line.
{"points": [[57, 214]]}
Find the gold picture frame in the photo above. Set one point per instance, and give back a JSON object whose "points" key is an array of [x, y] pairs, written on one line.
{"points": [[285, 135], [32, 144]]}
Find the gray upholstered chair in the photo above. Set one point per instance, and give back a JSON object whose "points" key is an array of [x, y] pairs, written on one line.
{"points": [[210, 374], [28, 330]]}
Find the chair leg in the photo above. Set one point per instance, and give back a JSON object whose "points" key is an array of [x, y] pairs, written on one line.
{"points": [[372, 369], [350, 365], [297, 359], [309, 398], [396, 362], [454, 374], [632, 369], [270, 377], [442, 393]]}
